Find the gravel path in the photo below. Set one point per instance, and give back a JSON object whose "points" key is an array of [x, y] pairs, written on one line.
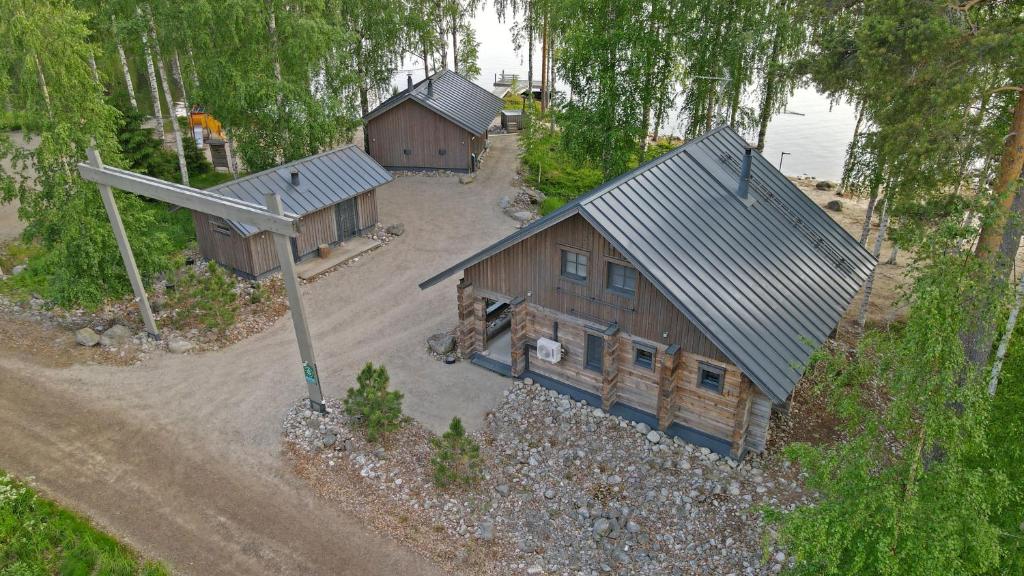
{"points": [[165, 450]]}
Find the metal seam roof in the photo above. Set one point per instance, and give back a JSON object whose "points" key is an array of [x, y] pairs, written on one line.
{"points": [[325, 179], [454, 97], [765, 282]]}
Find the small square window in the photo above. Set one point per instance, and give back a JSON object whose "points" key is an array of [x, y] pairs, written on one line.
{"points": [[643, 356], [622, 279], [711, 377], [574, 265], [220, 226]]}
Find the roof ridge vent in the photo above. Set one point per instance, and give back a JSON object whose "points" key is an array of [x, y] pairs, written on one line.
{"points": [[295, 177]]}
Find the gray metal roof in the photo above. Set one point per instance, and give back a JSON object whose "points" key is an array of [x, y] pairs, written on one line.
{"points": [[453, 97], [324, 179], [766, 282]]}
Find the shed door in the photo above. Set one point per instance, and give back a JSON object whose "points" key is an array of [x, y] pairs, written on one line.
{"points": [[348, 219]]}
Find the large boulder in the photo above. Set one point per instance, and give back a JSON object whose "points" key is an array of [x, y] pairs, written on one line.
{"points": [[396, 229], [522, 216], [86, 337], [834, 205], [504, 202], [178, 346], [441, 343], [117, 335], [824, 185]]}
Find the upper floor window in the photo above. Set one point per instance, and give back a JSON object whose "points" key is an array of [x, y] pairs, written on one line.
{"points": [[220, 225], [574, 265], [622, 279]]}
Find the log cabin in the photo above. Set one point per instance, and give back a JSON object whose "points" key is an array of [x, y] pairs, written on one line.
{"points": [[333, 193], [687, 294], [439, 123]]}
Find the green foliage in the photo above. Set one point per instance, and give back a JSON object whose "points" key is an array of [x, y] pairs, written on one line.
{"points": [[548, 168], [39, 537], [456, 457], [209, 299], [913, 489], [142, 151], [258, 293], [378, 409], [195, 159], [1006, 453], [15, 253]]}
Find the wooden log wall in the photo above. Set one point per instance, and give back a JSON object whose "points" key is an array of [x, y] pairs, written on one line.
{"points": [[366, 208], [219, 242], [706, 410], [534, 265]]}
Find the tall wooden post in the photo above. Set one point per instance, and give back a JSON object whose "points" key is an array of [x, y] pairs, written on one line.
{"points": [[668, 366], [520, 321], [291, 283], [126, 250], [610, 374]]}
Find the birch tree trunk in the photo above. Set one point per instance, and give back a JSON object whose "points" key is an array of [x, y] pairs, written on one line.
{"points": [[229, 151], [129, 85], [92, 66], [279, 97], [43, 87], [1004, 343], [455, 46], [883, 224], [178, 145], [192, 65], [176, 72], [892, 255], [544, 64], [154, 90], [866, 230], [529, 52]]}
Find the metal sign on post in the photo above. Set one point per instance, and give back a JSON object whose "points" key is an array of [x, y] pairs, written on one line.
{"points": [[272, 218]]}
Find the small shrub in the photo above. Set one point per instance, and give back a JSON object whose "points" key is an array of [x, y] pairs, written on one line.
{"points": [[378, 409], [208, 299], [456, 457], [258, 294]]}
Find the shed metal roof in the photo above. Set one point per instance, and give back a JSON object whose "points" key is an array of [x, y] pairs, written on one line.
{"points": [[454, 97], [766, 282], [324, 179]]}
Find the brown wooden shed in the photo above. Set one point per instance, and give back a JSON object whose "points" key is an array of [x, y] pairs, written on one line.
{"points": [[439, 123], [334, 193]]}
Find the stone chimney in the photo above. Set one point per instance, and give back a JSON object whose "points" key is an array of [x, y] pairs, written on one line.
{"points": [[295, 177]]}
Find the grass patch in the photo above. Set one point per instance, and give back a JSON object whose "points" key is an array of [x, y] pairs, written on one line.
{"points": [[548, 168], [39, 537], [208, 179]]}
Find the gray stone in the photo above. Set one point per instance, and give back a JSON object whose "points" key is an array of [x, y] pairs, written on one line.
{"points": [[522, 216], [824, 185], [466, 179], [441, 343], [602, 527], [178, 346], [17, 269], [535, 196], [598, 413], [642, 428], [654, 436], [632, 527], [504, 202], [780, 556], [86, 337], [614, 479], [396, 229], [834, 205], [503, 489], [549, 493], [330, 440], [116, 335], [485, 531]]}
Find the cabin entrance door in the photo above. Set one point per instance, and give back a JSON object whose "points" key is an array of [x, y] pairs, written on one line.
{"points": [[347, 218]]}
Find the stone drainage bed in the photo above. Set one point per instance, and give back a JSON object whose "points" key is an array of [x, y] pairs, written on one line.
{"points": [[567, 489]]}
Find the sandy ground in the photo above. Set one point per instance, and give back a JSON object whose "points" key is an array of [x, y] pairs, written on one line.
{"points": [[181, 456]]}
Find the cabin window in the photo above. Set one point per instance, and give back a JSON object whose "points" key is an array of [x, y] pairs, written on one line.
{"points": [[622, 279], [442, 151], [595, 353], [220, 226], [574, 265], [711, 377], [643, 356], [407, 151]]}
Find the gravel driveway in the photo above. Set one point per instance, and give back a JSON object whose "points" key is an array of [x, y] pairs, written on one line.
{"points": [[181, 456]]}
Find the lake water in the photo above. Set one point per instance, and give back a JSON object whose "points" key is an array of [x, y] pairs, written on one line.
{"points": [[814, 134]]}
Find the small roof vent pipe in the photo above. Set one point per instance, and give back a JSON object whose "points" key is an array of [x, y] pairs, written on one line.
{"points": [[430, 86], [743, 190], [295, 177], [408, 82]]}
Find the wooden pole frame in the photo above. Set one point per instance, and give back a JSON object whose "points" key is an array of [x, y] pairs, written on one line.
{"points": [[272, 218]]}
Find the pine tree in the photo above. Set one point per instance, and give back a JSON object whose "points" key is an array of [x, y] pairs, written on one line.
{"points": [[456, 457], [377, 409]]}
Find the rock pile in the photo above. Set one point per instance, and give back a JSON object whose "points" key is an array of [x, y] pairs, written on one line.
{"points": [[568, 489]]}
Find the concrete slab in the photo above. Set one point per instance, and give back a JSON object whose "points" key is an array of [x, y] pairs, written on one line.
{"points": [[343, 252]]}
